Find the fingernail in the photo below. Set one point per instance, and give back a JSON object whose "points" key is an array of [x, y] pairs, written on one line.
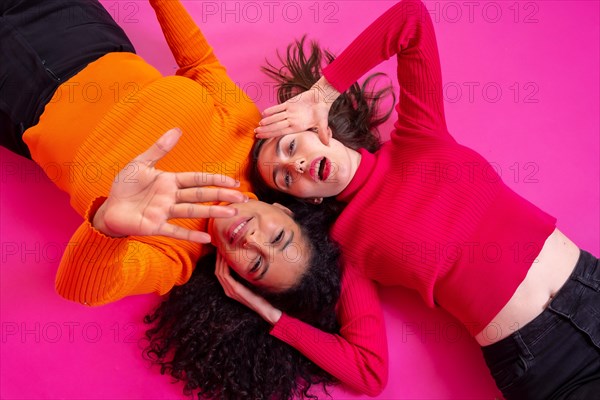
{"points": [[168, 140], [237, 184]]}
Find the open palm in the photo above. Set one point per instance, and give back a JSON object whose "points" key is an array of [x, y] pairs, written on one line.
{"points": [[143, 199]]}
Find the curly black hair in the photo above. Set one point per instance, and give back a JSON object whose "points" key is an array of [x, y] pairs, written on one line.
{"points": [[354, 116], [222, 350]]}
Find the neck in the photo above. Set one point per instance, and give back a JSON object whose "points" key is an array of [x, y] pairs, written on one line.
{"points": [[354, 158]]}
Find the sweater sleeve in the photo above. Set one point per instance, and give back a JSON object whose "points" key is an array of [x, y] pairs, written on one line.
{"points": [[96, 269], [196, 59], [404, 30], [187, 43], [358, 356]]}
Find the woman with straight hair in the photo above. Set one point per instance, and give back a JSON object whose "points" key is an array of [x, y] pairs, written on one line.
{"points": [[532, 304]]}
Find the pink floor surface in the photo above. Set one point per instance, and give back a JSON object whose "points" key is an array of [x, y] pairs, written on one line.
{"points": [[521, 86]]}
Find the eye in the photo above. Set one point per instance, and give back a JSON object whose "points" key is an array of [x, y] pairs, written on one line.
{"points": [[256, 265], [278, 238], [292, 147]]}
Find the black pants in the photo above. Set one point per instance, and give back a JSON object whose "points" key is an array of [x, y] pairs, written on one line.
{"points": [[557, 355], [42, 44]]}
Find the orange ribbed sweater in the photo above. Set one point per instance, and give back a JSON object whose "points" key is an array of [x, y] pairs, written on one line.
{"points": [[83, 139], [113, 110]]}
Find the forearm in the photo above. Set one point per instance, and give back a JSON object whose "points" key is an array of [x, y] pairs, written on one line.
{"points": [[358, 367], [187, 43], [358, 355], [405, 30], [390, 34], [97, 269]]}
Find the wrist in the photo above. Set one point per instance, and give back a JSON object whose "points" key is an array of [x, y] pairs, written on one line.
{"points": [[273, 316], [98, 222], [327, 93]]}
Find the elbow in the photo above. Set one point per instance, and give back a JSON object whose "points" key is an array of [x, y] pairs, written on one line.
{"points": [[376, 379], [374, 391], [78, 297], [375, 388], [86, 295], [70, 296]]}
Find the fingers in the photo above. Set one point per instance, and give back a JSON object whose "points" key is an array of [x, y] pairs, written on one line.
{"points": [[274, 127], [177, 232], [203, 195], [324, 133], [160, 148], [221, 270], [273, 130], [274, 109], [193, 179], [200, 211], [224, 277], [282, 116], [262, 134], [282, 132]]}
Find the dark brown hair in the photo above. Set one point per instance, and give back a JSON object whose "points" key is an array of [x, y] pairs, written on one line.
{"points": [[354, 117]]}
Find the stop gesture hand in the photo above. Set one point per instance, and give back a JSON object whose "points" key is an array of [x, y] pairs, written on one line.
{"points": [[307, 111], [142, 198]]}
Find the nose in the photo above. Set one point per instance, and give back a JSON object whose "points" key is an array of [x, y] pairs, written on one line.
{"points": [[251, 239], [298, 165]]}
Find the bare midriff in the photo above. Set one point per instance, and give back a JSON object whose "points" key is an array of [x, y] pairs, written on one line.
{"points": [[548, 273]]}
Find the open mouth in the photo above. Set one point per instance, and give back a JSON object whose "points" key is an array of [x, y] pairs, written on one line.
{"points": [[237, 229], [320, 169]]}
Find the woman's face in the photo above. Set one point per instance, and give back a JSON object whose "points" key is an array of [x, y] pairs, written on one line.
{"points": [[301, 165], [263, 244]]}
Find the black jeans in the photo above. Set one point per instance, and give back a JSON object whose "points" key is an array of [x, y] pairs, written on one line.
{"points": [[557, 355], [42, 44]]}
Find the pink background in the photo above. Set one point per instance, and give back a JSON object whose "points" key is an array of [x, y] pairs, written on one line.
{"points": [[533, 111]]}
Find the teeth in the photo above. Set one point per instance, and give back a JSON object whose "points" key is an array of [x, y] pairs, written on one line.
{"points": [[236, 230], [321, 168]]}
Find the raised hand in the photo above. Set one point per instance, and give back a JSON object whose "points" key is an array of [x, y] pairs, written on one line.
{"points": [[304, 112], [142, 198], [235, 290]]}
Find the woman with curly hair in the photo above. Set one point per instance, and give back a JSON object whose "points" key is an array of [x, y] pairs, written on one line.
{"points": [[221, 349], [454, 231]]}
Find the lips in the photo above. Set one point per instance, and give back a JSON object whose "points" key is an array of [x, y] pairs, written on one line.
{"points": [[320, 168], [237, 229]]}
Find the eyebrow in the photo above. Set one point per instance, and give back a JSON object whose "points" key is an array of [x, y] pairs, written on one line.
{"points": [[268, 264], [276, 169]]}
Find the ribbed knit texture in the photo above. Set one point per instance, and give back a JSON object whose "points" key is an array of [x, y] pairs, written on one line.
{"points": [[86, 136], [83, 144], [425, 212], [359, 355]]}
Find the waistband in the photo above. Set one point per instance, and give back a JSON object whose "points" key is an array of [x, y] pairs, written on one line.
{"points": [[563, 305]]}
